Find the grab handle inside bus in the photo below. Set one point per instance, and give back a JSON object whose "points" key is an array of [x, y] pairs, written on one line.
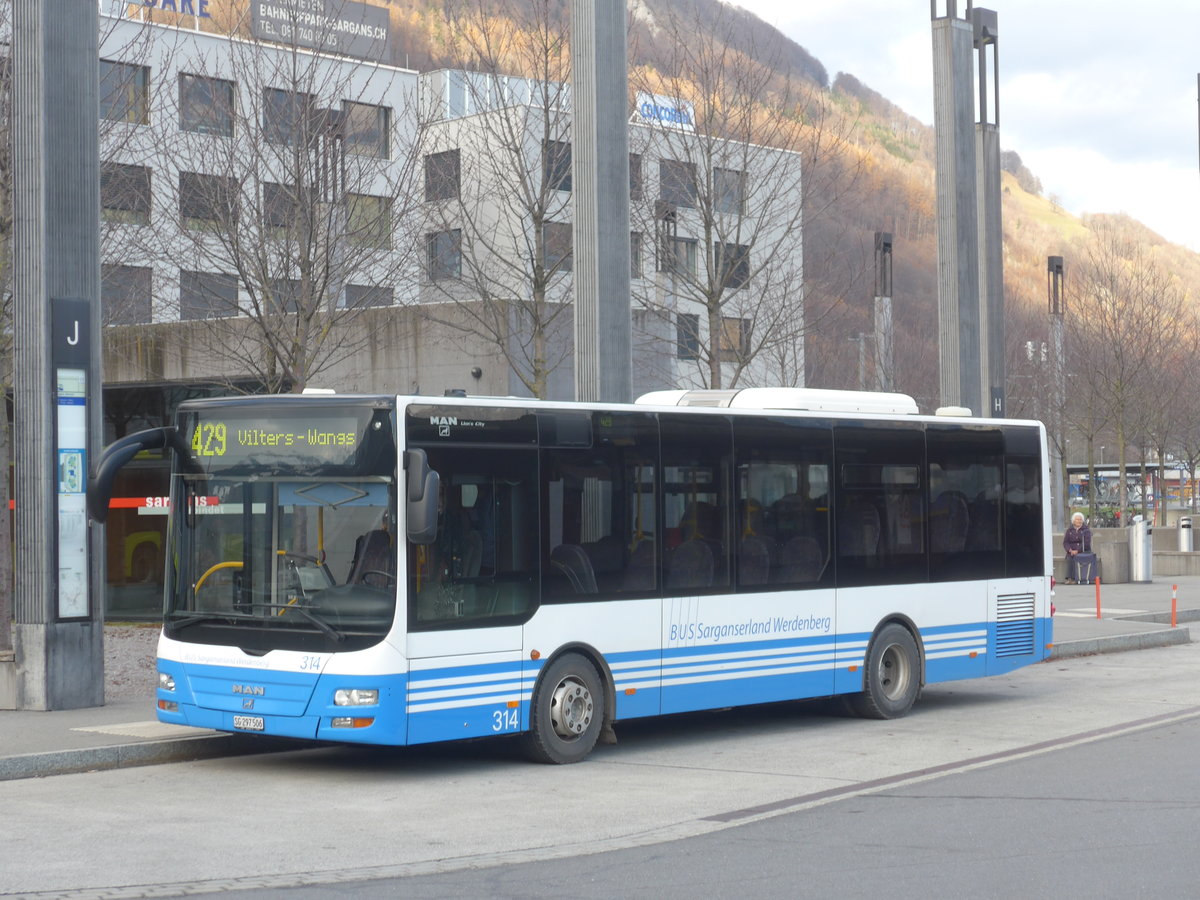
{"points": [[423, 490]]}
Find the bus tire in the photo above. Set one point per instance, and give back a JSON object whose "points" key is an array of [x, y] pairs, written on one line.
{"points": [[892, 676], [567, 713]]}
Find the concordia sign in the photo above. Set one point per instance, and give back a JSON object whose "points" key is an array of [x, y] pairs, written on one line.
{"points": [[336, 26], [655, 109]]}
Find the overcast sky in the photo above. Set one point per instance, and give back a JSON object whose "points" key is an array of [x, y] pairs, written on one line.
{"points": [[1099, 97]]}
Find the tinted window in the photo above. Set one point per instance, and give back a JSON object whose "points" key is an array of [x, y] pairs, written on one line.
{"points": [[697, 499], [598, 495], [482, 569], [880, 504], [966, 471], [1024, 532], [783, 513]]}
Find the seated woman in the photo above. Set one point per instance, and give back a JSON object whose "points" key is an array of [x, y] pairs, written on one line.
{"points": [[1078, 540]]}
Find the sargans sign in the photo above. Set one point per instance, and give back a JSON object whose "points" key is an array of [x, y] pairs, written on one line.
{"points": [[655, 109], [335, 26]]}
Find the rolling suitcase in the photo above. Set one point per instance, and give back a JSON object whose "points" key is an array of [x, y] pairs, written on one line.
{"points": [[1084, 567]]}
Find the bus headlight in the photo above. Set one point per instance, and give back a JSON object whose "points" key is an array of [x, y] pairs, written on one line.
{"points": [[166, 681], [356, 697]]}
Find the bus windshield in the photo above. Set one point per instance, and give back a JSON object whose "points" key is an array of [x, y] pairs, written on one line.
{"points": [[265, 560]]}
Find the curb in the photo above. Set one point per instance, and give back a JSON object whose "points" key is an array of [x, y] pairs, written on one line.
{"points": [[1119, 643], [143, 753]]}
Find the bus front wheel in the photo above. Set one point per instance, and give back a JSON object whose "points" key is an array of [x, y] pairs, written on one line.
{"points": [[567, 712], [892, 677]]}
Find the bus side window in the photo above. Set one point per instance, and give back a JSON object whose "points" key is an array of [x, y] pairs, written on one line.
{"points": [[697, 456]]}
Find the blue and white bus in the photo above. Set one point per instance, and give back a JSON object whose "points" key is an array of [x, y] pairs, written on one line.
{"points": [[402, 570]]}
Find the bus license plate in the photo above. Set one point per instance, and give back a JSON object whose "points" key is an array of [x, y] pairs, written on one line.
{"points": [[248, 723]]}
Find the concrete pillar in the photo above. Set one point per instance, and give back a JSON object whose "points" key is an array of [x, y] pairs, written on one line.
{"points": [[991, 227], [885, 358], [58, 647], [1058, 465], [600, 138], [957, 215]]}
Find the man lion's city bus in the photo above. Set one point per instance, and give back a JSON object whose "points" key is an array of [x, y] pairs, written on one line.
{"points": [[401, 570]]}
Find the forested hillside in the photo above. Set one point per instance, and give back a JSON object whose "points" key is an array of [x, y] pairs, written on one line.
{"points": [[870, 168]]}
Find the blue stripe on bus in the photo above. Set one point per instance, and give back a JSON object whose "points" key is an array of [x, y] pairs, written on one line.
{"points": [[451, 702]]}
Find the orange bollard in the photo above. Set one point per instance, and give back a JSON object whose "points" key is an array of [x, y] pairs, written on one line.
{"points": [[1097, 596], [1174, 602]]}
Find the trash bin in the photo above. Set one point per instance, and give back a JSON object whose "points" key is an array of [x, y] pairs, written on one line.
{"points": [[1185, 534], [1140, 551]]}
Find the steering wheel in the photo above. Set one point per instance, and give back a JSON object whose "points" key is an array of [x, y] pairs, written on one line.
{"points": [[388, 577]]}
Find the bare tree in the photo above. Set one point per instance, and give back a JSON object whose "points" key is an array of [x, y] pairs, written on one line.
{"points": [[497, 158], [1129, 309], [730, 198], [768, 149], [288, 197]]}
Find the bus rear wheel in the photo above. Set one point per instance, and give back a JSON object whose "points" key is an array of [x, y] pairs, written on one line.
{"points": [[567, 712], [892, 677]]}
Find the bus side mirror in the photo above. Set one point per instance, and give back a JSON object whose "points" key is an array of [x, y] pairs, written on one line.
{"points": [[121, 451], [423, 489]]}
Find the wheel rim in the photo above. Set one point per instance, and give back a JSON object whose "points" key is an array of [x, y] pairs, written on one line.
{"points": [[571, 708], [895, 672]]}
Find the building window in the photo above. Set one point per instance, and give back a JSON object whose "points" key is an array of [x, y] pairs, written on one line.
{"points": [[680, 256], [442, 175], [208, 202], [729, 191], [360, 296], [125, 194], [367, 129], [556, 156], [733, 345], [687, 336], [286, 296], [286, 115], [205, 105], [732, 265], [443, 254], [369, 220], [125, 295], [280, 206], [677, 183], [635, 254], [207, 295], [556, 247], [635, 176], [124, 92]]}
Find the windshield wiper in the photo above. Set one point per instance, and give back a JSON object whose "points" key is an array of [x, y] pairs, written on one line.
{"points": [[184, 621], [326, 628], [230, 617]]}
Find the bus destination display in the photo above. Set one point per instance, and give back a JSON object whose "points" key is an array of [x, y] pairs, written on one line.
{"points": [[265, 441]]}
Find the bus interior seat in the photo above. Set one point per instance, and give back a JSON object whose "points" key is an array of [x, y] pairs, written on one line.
{"points": [[606, 556], [639, 573], [801, 561], [858, 528], [754, 560], [690, 565], [372, 553], [573, 562], [949, 519]]}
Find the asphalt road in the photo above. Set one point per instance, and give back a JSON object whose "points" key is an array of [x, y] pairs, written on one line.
{"points": [[751, 801], [1114, 817]]}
